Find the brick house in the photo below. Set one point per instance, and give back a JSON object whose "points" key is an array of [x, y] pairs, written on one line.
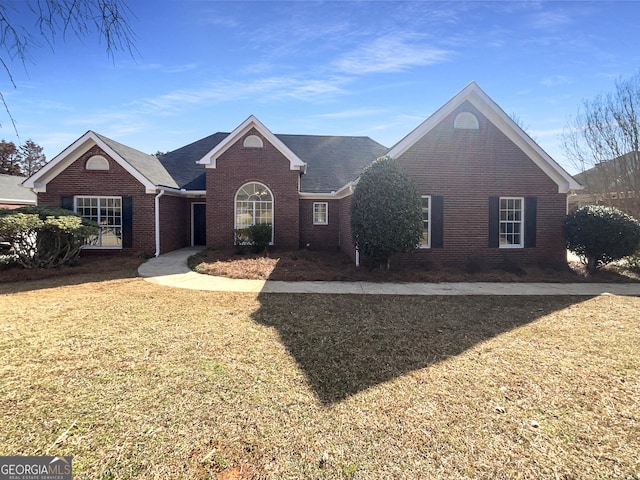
{"points": [[487, 188]]}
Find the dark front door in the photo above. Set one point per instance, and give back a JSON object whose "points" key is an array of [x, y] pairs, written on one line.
{"points": [[199, 224]]}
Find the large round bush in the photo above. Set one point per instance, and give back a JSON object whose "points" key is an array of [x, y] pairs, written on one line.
{"points": [[600, 235]]}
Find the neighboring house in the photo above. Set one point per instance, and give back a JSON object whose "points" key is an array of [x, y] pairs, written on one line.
{"points": [[613, 183], [487, 188], [12, 195]]}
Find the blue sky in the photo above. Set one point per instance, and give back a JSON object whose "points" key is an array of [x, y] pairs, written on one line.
{"points": [[346, 68]]}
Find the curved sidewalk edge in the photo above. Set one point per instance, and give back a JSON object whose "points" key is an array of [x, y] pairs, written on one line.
{"points": [[171, 270]]}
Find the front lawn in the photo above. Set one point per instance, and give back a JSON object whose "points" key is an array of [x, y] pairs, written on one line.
{"points": [[135, 380]]}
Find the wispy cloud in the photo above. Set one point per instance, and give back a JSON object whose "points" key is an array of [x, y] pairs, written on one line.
{"points": [[355, 113], [168, 68], [555, 80], [258, 90], [391, 53]]}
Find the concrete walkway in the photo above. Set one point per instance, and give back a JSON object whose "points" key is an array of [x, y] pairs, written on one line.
{"points": [[171, 270]]}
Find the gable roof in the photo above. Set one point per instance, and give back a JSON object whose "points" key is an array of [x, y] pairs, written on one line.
{"points": [[13, 193], [209, 159], [145, 168], [332, 161], [148, 165], [182, 163], [480, 100]]}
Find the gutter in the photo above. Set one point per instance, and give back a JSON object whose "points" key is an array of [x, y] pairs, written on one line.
{"points": [[157, 215]]}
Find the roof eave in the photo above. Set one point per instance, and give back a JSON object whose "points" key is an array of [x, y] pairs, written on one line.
{"points": [[209, 159]]}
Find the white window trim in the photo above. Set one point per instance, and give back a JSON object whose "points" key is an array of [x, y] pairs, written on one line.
{"points": [[522, 217], [326, 204], [273, 209], [106, 197], [426, 245]]}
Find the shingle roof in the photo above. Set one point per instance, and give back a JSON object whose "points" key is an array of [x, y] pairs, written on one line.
{"points": [[615, 175], [181, 163], [332, 161], [148, 165], [12, 192]]}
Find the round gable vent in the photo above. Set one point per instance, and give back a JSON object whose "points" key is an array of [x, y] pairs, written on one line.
{"points": [[97, 162], [466, 121], [253, 141]]}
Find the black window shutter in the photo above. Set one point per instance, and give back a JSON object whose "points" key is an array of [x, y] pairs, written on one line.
{"points": [[530, 213], [127, 222], [67, 203], [494, 222], [437, 221]]}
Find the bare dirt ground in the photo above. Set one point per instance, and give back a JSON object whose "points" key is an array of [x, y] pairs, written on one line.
{"points": [[304, 265]]}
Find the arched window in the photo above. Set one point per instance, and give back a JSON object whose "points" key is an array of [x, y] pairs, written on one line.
{"points": [[254, 204]]}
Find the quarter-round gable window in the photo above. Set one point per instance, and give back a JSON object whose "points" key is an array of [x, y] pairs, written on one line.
{"points": [[253, 141], [466, 121], [97, 162]]}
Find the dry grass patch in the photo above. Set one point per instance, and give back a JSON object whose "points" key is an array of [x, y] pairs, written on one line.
{"points": [[306, 265], [169, 383]]}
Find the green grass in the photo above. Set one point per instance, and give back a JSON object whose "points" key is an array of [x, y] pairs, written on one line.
{"points": [[169, 383]]}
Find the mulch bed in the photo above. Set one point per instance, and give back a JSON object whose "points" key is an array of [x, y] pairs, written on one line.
{"points": [[306, 265]]}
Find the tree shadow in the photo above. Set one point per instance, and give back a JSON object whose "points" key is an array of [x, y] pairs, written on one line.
{"points": [[345, 344]]}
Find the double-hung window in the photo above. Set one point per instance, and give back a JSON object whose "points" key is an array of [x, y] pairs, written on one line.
{"points": [[107, 213], [425, 240], [320, 213], [511, 222]]}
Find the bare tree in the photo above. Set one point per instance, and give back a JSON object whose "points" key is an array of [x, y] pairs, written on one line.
{"points": [[54, 18], [603, 142]]}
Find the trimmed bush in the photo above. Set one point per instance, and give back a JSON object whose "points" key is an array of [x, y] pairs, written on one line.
{"points": [[601, 235], [45, 237], [258, 236], [386, 215]]}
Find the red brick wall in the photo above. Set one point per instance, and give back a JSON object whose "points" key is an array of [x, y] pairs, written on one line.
{"points": [[240, 165], [319, 236], [175, 223], [466, 167], [116, 181], [346, 243]]}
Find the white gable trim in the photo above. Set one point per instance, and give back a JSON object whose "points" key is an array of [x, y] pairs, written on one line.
{"points": [[479, 99], [38, 181], [209, 160]]}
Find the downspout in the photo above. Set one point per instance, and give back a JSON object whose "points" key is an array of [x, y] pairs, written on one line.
{"points": [[157, 213]]}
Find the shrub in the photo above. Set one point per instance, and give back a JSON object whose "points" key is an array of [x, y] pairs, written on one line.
{"points": [[600, 235], [386, 215], [258, 236], [632, 262], [45, 237]]}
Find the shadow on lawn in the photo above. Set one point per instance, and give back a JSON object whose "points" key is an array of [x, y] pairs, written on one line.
{"points": [[347, 343]]}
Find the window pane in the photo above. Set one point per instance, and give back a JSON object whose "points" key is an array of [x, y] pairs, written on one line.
{"points": [[426, 210], [511, 222], [107, 213]]}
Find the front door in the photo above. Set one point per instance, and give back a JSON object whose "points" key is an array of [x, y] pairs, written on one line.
{"points": [[198, 224]]}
